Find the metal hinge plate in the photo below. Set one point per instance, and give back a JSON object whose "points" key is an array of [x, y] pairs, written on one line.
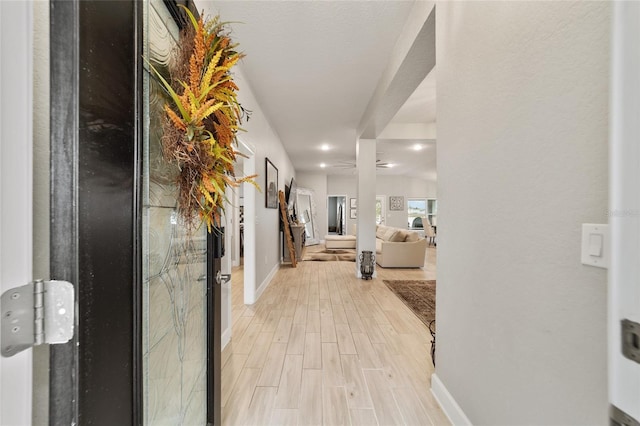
{"points": [[617, 417], [631, 340], [36, 313]]}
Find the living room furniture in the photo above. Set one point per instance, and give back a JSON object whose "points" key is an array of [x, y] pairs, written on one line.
{"points": [[430, 234], [333, 242], [297, 233], [306, 209], [399, 248]]}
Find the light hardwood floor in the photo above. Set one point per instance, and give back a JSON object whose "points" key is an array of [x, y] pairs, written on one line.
{"points": [[323, 347]]}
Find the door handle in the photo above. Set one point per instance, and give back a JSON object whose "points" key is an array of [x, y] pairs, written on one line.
{"points": [[222, 278]]}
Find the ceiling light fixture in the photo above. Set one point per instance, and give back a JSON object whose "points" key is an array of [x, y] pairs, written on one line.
{"points": [[322, 165], [324, 147], [417, 147]]}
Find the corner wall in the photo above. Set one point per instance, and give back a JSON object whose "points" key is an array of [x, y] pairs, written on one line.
{"points": [[266, 143], [522, 163]]}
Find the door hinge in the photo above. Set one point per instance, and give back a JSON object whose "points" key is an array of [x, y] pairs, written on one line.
{"points": [[617, 417], [631, 340], [37, 313]]}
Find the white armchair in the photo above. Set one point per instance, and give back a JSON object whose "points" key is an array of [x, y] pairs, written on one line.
{"points": [[430, 234]]}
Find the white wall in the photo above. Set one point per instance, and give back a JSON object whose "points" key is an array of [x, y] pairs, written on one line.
{"points": [[522, 163], [266, 142], [385, 185], [16, 150], [41, 195], [406, 187], [318, 184]]}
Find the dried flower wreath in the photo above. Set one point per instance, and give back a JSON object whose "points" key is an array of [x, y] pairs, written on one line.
{"points": [[202, 117]]}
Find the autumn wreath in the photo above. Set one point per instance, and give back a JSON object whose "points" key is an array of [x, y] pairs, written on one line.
{"points": [[202, 117]]}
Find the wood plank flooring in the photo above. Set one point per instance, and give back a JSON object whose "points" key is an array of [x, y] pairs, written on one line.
{"points": [[322, 347]]}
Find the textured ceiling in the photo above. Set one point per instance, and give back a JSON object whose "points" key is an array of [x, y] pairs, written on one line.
{"points": [[313, 67]]}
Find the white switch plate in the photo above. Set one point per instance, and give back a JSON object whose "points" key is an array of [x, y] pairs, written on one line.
{"points": [[592, 235]]}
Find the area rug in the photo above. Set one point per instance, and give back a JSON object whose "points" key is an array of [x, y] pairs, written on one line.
{"points": [[320, 253], [418, 295]]}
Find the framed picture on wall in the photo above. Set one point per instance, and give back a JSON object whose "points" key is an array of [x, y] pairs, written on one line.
{"points": [[353, 213], [354, 203], [396, 203], [271, 185]]}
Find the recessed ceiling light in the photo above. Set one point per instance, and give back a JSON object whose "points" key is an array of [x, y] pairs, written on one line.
{"points": [[323, 165], [324, 147], [418, 147]]}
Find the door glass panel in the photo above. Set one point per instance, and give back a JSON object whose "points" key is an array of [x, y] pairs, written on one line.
{"points": [[174, 263]]}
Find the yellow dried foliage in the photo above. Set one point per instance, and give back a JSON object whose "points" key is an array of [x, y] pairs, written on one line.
{"points": [[203, 117]]}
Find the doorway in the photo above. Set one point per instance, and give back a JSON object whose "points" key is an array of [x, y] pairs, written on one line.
{"points": [[143, 285], [336, 214]]}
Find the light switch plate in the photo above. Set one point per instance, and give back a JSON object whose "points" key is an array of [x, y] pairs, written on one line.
{"points": [[592, 235]]}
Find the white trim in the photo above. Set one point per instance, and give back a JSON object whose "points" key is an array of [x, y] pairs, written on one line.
{"points": [[225, 338], [624, 203], [250, 218], [448, 404], [265, 283]]}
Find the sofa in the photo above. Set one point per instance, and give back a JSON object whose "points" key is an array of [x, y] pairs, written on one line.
{"points": [[399, 248]]}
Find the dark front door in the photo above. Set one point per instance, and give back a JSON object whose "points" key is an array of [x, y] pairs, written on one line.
{"points": [[144, 351]]}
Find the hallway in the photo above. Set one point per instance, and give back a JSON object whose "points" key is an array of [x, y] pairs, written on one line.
{"points": [[323, 347]]}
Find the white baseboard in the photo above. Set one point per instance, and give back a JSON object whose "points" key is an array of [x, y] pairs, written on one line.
{"points": [[225, 337], [449, 406], [266, 282]]}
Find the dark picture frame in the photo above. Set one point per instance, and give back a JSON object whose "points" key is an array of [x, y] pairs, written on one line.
{"points": [[271, 184]]}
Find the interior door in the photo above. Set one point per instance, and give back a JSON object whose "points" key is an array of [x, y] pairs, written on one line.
{"points": [[145, 347], [336, 214], [174, 270], [624, 271]]}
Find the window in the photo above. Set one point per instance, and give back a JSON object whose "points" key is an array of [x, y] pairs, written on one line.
{"points": [[421, 210], [380, 209], [432, 211], [417, 212]]}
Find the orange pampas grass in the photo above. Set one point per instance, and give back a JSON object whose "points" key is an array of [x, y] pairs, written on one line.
{"points": [[202, 119]]}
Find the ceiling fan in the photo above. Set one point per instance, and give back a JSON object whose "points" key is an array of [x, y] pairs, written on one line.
{"points": [[351, 164]]}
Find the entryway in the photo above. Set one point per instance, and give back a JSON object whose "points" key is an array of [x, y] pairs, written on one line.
{"points": [[336, 214]]}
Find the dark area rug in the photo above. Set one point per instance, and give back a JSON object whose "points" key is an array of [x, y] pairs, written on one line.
{"points": [[419, 295], [320, 253]]}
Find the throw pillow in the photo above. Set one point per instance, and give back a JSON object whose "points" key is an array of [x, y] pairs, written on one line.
{"points": [[402, 236], [412, 236], [390, 234], [399, 237]]}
